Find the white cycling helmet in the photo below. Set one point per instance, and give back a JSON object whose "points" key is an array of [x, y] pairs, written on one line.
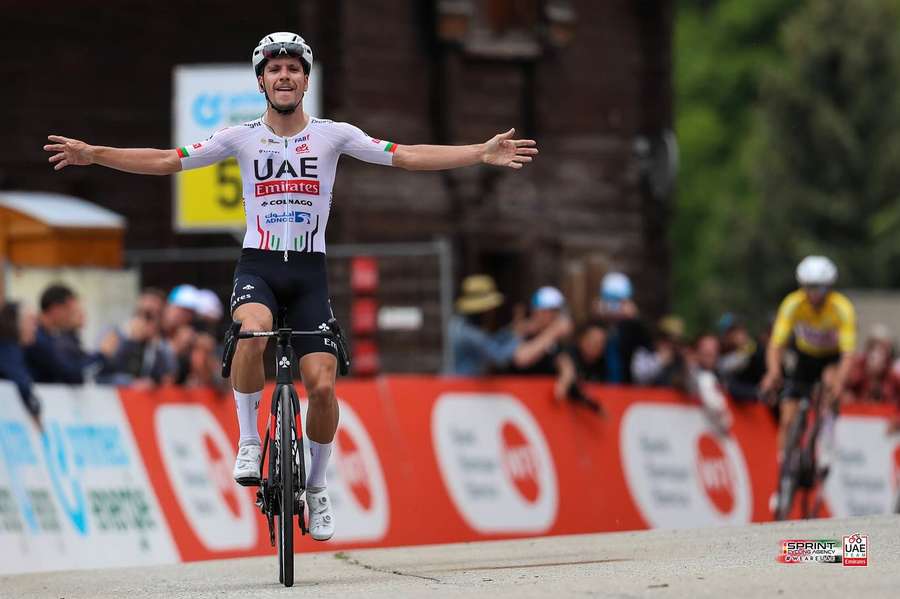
{"points": [[816, 270], [282, 43]]}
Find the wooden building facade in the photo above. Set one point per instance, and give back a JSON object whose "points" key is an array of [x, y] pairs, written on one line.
{"points": [[591, 81]]}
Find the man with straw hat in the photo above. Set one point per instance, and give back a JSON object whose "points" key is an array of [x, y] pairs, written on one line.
{"points": [[480, 346], [476, 348]]}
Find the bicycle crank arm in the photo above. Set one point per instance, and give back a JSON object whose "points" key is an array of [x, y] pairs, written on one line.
{"points": [[301, 518], [270, 519]]}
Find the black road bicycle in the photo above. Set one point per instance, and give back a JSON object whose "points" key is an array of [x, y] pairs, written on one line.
{"points": [[799, 470], [279, 495]]}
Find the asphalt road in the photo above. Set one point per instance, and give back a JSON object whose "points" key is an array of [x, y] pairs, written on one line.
{"points": [[715, 563]]}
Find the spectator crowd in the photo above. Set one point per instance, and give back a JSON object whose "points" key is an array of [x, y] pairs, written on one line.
{"points": [[173, 338], [616, 345], [168, 339]]}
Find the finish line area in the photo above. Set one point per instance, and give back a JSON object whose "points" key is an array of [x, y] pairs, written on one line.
{"points": [[710, 562]]}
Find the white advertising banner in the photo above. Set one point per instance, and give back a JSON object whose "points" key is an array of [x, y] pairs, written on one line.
{"points": [[864, 478], [75, 494], [356, 484], [679, 472], [495, 462]]}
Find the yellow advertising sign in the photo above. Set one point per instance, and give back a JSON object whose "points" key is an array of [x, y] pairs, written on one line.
{"points": [[210, 197]]}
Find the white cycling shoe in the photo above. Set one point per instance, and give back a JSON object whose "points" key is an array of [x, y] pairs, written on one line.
{"points": [[321, 518], [246, 466]]}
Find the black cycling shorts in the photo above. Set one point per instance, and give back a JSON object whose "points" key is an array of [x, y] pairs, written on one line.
{"points": [[296, 288], [806, 374]]}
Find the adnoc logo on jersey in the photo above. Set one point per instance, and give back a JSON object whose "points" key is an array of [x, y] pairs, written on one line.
{"points": [[679, 473], [495, 462], [290, 216]]}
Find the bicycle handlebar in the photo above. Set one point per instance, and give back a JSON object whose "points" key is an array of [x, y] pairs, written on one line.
{"points": [[330, 330]]}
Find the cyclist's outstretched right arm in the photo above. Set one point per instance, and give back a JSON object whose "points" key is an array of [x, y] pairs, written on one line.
{"points": [[145, 161]]}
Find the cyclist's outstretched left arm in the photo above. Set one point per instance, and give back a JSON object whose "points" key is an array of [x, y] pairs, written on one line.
{"points": [[500, 150], [144, 161]]}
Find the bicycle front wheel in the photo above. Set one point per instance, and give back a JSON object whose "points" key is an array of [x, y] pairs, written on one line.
{"points": [[286, 480], [790, 466]]}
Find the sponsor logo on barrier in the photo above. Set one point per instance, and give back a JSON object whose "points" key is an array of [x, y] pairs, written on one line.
{"points": [[520, 462], [680, 474], [197, 456], [353, 469], [356, 483], [20, 459], [495, 462], [75, 494], [859, 483], [65, 475], [716, 474], [896, 473]]}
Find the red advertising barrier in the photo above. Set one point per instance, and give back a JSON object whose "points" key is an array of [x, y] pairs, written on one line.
{"points": [[427, 460]]}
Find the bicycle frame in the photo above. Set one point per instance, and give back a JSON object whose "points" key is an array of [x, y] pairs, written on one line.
{"points": [[279, 493], [798, 466]]}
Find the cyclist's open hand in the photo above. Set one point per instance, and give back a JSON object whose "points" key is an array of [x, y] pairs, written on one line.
{"points": [[502, 150], [67, 152]]}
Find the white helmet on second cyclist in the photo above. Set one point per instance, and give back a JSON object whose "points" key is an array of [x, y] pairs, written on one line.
{"points": [[282, 43], [816, 271]]}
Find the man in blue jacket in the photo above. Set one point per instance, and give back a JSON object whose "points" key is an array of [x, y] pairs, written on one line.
{"points": [[56, 355]]}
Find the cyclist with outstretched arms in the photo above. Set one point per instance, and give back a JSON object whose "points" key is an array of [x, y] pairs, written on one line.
{"points": [[288, 162], [821, 324]]}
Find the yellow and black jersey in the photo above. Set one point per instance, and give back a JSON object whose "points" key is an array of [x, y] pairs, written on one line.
{"points": [[823, 331]]}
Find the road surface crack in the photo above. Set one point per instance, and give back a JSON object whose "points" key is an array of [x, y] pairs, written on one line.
{"points": [[355, 562]]}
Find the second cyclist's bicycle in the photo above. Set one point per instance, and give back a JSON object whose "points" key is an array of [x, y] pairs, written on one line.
{"points": [[280, 494], [799, 468]]}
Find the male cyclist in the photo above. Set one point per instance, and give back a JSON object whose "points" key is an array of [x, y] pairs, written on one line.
{"points": [[288, 162], [822, 324]]}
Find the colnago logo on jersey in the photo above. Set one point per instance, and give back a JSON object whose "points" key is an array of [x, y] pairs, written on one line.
{"points": [[287, 181]]}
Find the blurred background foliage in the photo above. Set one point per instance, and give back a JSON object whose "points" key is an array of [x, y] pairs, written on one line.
{"points": [[788, 119]]}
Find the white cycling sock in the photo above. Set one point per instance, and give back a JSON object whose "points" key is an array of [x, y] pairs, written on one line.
{"points": [[320, 453], [247, 410]]}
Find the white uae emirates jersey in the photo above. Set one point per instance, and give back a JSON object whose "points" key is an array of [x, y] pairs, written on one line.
{"points": [[287, 181]]}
